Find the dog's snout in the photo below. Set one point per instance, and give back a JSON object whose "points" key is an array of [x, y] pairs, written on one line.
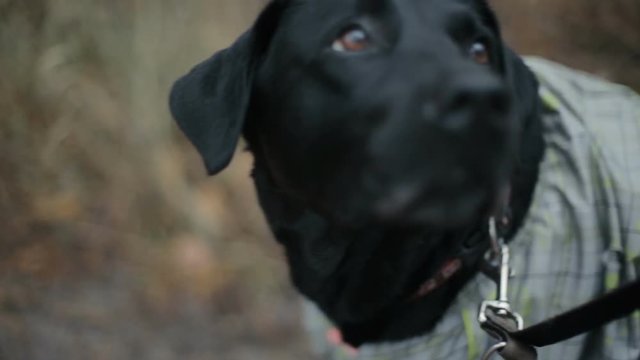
{"points": [[467, 101]]}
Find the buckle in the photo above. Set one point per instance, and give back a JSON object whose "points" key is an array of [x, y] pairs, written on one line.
{"points": [[497, 317]]}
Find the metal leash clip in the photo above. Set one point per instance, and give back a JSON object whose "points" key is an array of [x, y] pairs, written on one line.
{"points": [[496, 316]]}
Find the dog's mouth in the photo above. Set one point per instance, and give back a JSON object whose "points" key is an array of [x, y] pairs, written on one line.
{"points": [[447, 271], [472, 244]]}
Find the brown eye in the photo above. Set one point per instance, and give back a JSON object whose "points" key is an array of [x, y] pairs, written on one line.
{"points": [[479, 53], [353, 39]]}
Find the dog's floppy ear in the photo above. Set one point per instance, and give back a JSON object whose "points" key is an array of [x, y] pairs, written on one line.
{"points": [[210, 103], [524, 87]]}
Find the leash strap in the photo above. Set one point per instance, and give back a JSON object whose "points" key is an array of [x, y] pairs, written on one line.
{"points": [[501, 322], [617, 304], [519, 345]]}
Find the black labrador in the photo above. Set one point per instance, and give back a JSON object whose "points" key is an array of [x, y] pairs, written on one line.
{"points": [[385, 134]]}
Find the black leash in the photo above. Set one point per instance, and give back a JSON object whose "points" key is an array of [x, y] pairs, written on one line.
{"points": [[614, 305], [520, 344], [515, 343]]}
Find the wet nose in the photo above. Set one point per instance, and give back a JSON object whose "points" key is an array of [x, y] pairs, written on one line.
{"points": [[466, 101]]}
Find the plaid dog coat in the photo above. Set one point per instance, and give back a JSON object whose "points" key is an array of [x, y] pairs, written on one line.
{"points": [[580, 239]]}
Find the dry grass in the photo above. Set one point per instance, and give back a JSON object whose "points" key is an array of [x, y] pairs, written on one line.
{"points": [[114, 244]]}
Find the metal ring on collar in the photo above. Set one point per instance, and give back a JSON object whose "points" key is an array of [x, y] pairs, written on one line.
{"points": [[494, 349]]}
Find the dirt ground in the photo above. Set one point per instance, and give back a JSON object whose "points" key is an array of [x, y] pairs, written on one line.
{"points": [[114, 244]]}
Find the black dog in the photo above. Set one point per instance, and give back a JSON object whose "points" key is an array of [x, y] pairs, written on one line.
{"points": [[385, 134]]}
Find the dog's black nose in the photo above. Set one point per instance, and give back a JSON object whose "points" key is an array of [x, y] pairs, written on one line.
{"points": [[467, 100]]}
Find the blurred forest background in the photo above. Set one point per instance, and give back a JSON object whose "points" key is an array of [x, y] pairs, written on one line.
{"points": [[113, 242]]}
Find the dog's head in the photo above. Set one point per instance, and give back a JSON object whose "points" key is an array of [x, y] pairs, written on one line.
{"points": [[398, 111]]}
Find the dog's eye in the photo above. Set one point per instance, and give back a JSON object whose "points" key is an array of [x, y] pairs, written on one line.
{"points": [[352, 39], [479, 53]]}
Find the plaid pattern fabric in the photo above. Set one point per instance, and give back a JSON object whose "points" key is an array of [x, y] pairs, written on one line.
{"points": [[580, 239]]}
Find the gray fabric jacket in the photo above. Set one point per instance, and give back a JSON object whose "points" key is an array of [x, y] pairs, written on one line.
{"points": [[580, 239]]}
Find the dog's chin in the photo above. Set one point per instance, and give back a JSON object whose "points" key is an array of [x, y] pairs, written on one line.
{"points": [[442, 210], [444, 213]]}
